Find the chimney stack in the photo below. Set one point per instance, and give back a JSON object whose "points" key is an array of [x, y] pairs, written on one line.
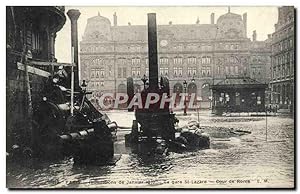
{"points": [[115, 19], [254, 35], [245, 22], [212, 18], [152, 51], [74, 15]]}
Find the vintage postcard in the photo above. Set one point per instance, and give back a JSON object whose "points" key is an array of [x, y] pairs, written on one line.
{"points": [[158, 97]]}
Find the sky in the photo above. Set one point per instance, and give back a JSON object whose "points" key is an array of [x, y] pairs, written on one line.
{"points": [[259, 18]]}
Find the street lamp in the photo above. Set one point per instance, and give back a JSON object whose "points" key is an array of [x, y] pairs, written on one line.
{"points": [[84, 85], [185, 106]]}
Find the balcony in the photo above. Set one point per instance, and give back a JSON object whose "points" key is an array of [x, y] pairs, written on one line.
{"points": [[57, 12]]}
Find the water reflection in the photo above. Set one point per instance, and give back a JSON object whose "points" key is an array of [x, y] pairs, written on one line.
{"points": [[248, 157]]}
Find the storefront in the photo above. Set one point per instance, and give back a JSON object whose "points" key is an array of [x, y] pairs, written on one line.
{"points": [[238, 94]]}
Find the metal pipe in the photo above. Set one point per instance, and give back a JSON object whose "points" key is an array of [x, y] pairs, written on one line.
{"points": [[74, 15], [72, 82], [152, 51], [77, 135]]}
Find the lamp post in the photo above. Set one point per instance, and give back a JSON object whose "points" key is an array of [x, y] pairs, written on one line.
{"points": [[84, 85], [185, 106], [210, 101]]}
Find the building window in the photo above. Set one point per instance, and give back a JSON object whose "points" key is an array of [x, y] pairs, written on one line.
{"points": [[231, 70], [164, 71], [274, 73], [138, 71], [291, 43], [133, 72], [288, 69], [227, 70], [98, 61], [236, 70], [218, 70], [102, 72], [109, 70], [253, 71], [192, 60], [124, 72], [175, 71], [180, 71], [36, 41], [205, 71], [189, 71], [119, 72], [92, 73], [194, 71], [135, 61], [178, 60], [147, 71], [206, 60], [147, 61], [163, 61], [122, 61], [234, 60], [97, 73]]}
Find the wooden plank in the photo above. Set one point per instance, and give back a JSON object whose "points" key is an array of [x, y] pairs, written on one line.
{"points": [[33, 70], [43, 63]]}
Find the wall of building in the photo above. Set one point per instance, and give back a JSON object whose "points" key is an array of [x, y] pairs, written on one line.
{"points": [[32, 29], [205, 53], [283, 58]]}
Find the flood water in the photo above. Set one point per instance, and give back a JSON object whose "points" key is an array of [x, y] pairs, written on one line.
{"points": [[232, 161]]}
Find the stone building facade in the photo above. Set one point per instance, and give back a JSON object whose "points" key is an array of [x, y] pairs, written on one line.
{"points": [[31, 29], [201, 54], [283, 58]]}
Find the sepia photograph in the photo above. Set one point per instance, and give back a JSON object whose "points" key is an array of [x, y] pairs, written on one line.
{"points": [[150, 97]]}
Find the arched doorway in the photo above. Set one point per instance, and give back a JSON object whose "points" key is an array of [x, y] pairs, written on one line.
{"points": [[192, 88], [122, 88], [178, 88]]}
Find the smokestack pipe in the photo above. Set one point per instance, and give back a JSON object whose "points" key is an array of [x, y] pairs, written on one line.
{"points": [[74, 15], [212, 18], [152, 51], [115, 19]]}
